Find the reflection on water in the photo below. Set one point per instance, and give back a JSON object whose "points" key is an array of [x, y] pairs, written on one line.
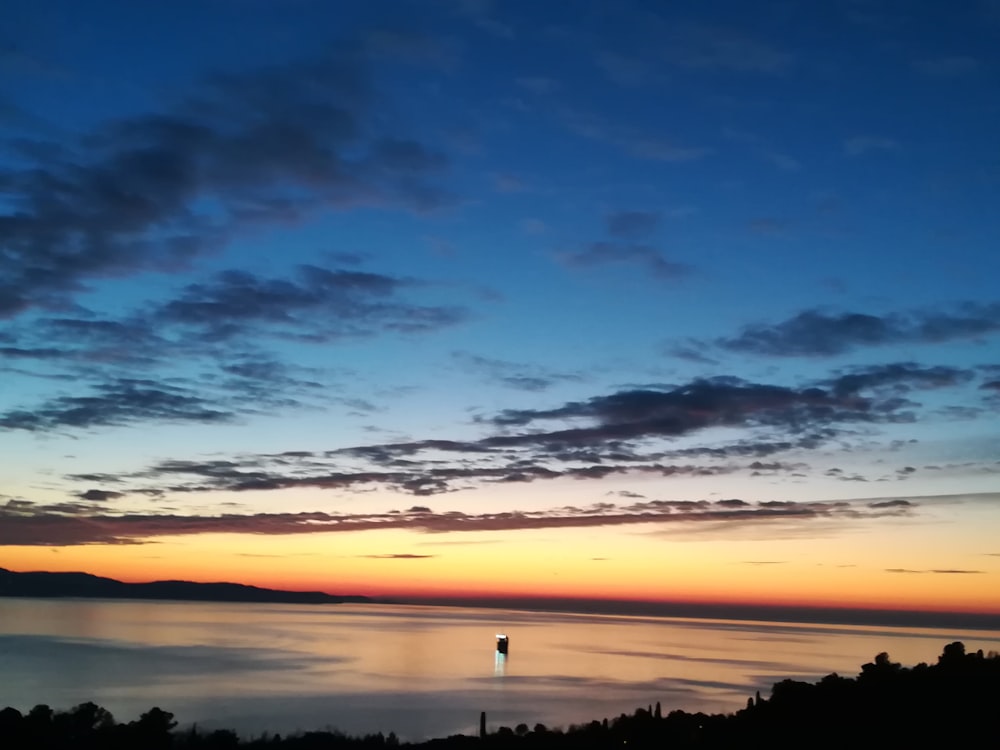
{"points": [[500, 664], [418, 671]]}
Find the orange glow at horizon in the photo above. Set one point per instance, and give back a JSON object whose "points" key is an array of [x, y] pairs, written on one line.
{"points": [[634, 565]]}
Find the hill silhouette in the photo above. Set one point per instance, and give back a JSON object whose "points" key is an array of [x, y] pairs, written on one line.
{"points": [[63, 585], [952, 703]]}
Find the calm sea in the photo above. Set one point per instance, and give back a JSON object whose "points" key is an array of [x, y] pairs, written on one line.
{"points": [[419, 671]]}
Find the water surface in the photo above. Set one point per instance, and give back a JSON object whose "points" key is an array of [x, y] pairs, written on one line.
{"points": [[419, 671]]}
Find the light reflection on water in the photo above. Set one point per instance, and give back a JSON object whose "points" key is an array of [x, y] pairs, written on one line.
{"points": [[418, 671], [499, 664]]}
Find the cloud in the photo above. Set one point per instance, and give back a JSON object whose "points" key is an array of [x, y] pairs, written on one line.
{"points": [[692, 352], [946, 572], [602, 436], [420, 478], [958, 572], [100, 495], [42, 526], [523, 377], [900, 376], [733, 503], [118, 402], [223, 379], [631, 225], [43, 353], [399, 556], [219, 327], [627, 253], [271, 145], [259, 376], [712, 402], [87, 341], [749, 448], [815, 333], [613, 434], [629, 493], [317, 305], [894, 503], [811, 333], [863, 144], [626, 432]]}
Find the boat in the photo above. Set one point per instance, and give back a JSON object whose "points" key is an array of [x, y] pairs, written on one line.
{"points": [[503, 643]]}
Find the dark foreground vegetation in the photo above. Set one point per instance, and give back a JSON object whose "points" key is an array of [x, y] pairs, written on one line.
{"points": [[953, 703]]}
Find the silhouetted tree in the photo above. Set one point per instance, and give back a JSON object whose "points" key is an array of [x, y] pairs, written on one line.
{"points": [[953, 654], [13, 726], [222, 739], [40, 715], [153, 728]]}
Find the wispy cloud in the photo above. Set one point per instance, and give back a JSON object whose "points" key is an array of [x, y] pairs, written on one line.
{"points": [[627, 432], [517, 375], [399, 556], [893, 503], [221, 328], [898, 376], [817, 333], [265, 146], [631, 233], [645, 256], [318, 305], [944, 571], [118, 403], [39, 525], [624, 433]]}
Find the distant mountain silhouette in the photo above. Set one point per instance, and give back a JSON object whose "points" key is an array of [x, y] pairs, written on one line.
{"points": [[60, 585]]}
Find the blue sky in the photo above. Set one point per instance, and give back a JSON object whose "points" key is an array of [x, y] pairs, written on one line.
{"points": [[256, 256]]}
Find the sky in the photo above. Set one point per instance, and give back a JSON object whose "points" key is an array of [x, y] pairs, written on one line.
{"points": [[649, 301]]}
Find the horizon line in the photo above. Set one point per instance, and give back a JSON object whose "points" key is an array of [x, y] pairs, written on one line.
{"points": [[833, 615]]}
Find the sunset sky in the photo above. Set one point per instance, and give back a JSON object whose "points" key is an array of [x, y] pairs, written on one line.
{"points": [[693, 301]]}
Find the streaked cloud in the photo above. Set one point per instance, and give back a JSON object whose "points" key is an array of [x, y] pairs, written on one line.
{"points": [[817, 333], [37, 525]]}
